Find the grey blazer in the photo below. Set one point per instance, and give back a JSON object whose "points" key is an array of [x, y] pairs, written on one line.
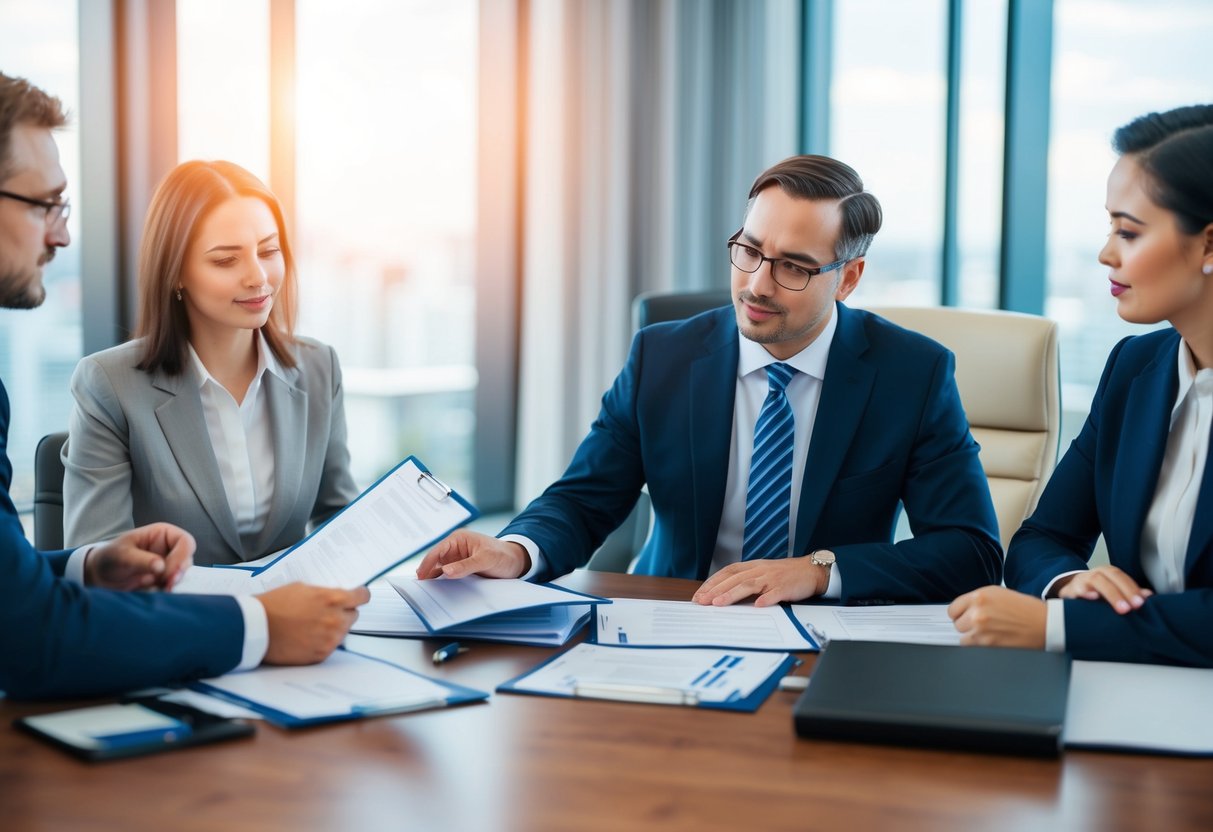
{"points": [[139, 452]]}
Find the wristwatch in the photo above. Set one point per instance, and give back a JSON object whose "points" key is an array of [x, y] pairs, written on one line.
{"points": [[822, 557]]}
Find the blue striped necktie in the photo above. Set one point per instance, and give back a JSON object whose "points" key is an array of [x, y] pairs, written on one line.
{"points": [[768, 500]]}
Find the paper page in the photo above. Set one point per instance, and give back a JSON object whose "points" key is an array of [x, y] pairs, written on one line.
{"points": [[905, 623], [1140, 706], [390, 521], [342, 684], [712, 675], [390, 615], [685, 623], [448, 603], [206, 580]]}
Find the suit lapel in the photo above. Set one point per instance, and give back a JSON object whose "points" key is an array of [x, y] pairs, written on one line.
{"points": [[184, 427], [1140, 451], [288, 420], [711, 389], [844, 397]]}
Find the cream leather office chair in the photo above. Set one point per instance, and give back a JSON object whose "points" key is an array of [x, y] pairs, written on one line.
{"points": [[1007, 373]]}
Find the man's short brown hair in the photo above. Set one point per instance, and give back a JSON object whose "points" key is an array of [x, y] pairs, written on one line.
{"points": [[23, 103]]}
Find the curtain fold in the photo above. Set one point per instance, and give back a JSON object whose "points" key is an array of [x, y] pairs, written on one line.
{"points": [[646, 123]]}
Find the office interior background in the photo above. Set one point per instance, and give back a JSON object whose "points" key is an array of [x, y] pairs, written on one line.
{"points": [[477, 190]]}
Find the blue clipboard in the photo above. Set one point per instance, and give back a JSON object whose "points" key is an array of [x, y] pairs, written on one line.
{"points": [[458, 695], [658, 696], [575, 598], [435, 487]]}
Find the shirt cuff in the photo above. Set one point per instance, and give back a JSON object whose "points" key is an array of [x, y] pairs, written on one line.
{"points": [[834, 587], [256, 632], [73, 570], [1055, 625], [532, 549], [1049, 585]]}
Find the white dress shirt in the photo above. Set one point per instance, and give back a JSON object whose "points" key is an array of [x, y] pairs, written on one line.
{"points": [[242, 437], [803, 393], [1168, 524]]}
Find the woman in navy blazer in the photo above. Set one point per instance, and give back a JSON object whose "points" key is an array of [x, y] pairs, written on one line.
{"points": [[1140, 472], [216, 418]]}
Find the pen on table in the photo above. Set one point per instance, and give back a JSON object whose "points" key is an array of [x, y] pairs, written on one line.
{"points": [[450, 651]]}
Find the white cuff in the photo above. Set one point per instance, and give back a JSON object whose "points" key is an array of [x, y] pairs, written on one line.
{"points": [[256, 632], [531, 549], [73, 570], [1056, 578], [834, 587], [1055, 625]]}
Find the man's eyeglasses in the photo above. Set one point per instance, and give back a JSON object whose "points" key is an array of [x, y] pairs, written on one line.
{"points": [[56, 210], [787, 273]]}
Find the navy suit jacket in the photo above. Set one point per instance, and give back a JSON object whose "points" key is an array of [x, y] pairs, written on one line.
{"points": [[58, 639], [1105, 484], [890, 430]]}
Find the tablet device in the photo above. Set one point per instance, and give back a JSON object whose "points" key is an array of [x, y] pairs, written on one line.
{"points": [[110, 732]]}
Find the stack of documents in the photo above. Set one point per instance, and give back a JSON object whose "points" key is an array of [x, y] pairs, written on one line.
{"points": [[346, 685], [387, 614], [736, 680], [444, 604], [406, 511], [633, 622]]}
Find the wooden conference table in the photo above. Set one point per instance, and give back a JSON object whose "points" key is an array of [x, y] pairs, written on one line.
{"points": [[533, 763]]}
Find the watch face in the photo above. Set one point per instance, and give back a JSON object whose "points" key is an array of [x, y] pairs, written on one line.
{"points": [[823, 558]]}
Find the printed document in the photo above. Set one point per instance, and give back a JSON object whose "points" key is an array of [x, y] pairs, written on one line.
{"points": [[387, 614], [704, 675], [635, 622], [397, 517], [905, 623], [441, 603]]}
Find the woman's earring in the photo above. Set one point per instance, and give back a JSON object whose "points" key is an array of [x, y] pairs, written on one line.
{"points": [[179, 291], [1208, 268]]}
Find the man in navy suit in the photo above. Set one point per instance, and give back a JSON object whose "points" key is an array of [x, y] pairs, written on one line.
{"points": [[779, 438], [59, 636]]}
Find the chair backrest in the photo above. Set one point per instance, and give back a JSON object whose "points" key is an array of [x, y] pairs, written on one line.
{"points": [[659, 307], [48, 492], [1007, 374]]}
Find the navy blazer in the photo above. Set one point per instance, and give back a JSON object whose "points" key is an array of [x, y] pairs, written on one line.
{"points": [[1105, 484], [58, 639], [890, 430]]}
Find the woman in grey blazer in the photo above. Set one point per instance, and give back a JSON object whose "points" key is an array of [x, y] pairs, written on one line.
{"points": [[216, 418]]}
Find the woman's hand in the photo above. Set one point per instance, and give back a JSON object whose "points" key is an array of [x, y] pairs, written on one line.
{"points": [[1106, 582]]}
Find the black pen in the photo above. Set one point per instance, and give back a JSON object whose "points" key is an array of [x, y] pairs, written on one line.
{"points": [[450, 651]]}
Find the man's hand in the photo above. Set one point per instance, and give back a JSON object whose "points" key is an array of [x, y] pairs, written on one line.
{"points": [[465, 553], [153, 556], [773, 581], [994, 616], [307, 623], [1106, 582]]}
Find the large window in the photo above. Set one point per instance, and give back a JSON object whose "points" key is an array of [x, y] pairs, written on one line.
{"points": [[39, 348], [1113, 60], [887, 121], [384, 197], [386, 188]]}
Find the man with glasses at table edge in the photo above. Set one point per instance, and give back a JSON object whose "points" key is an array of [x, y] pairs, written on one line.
{"points": [[779, 438], [66, 627]]}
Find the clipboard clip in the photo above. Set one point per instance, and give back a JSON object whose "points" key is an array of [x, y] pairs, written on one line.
{"points": [[635, 693], [433, 486]]}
